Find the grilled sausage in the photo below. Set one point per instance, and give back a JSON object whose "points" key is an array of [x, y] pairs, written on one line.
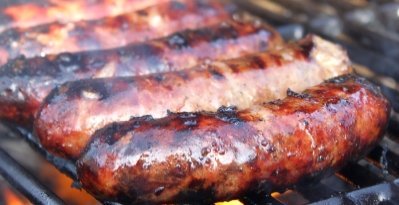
{"points": [[32, 13], [110, 32], [219, 156], [24, 83], [73, 111]]}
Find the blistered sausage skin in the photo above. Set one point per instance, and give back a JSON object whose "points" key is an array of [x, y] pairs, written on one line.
{"points": [[222, 155], [110, 32], [73, 111], [24, 83], [31, 13]]}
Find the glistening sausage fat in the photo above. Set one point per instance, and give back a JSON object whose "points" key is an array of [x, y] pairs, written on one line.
{"points": [[24, 83], [222, 155], [73, 111]]}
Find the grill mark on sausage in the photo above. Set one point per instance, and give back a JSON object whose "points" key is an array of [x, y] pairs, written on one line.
{"points": [[37, 76], [111, 32], [195, 89]]}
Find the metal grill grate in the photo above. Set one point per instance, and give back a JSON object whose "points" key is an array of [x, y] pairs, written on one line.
{"points": [[372, 180]]}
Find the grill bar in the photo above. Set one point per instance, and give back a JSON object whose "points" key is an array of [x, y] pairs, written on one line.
{"points": [[25, 183], [385, 193], [65, 166]]}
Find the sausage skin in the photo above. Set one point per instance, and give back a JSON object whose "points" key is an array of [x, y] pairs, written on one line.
{"points": [[74, 110], [24, 83], [222, 155], [31, 13], [110, 32]]}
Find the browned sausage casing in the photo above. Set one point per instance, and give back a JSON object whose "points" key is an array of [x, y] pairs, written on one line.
{"points": [[220, 156], [27, 13], [73, 111], [24, 83], [110, 32]]}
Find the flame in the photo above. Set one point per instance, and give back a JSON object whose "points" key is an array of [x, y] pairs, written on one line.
{"points": [[11, 198], [61, 185], [233, 202]]}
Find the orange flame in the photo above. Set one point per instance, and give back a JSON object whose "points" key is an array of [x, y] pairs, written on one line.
{"points": [[233, 202], [61, 185], [11, 198]]}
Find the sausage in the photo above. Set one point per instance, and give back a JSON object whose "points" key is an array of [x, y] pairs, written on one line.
{"points": [[222, 155], [24, 83], [110, 32], [73, 111], [32, 13]]}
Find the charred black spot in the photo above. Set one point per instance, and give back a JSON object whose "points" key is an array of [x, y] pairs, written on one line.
{"points": [[216, 74], [144, 118], [232, 109], [178, 41], [68, 60], [109, 135], [188, 119], [307, 47], [143, 50], [340, 79], [291, 93], [258, 62], [114, 131], [94, 59], [36, 66], [228, 114], [363, 81], [305, 122], [226, 31], [187, 115], [159, 77], [79, 89], [369, 85], [274, 102]]}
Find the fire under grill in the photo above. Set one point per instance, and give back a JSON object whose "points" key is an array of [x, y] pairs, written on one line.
{"points": [[369, 30]]}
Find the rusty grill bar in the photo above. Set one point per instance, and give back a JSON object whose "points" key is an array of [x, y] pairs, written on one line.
{"points": [[373, 179]]}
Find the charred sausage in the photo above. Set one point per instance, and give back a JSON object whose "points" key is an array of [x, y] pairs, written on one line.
{"points": [[110, 32], [31, 13], [24, 83], [73, 111], [220, 156]]}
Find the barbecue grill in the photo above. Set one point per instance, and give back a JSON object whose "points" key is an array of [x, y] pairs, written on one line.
{"points": [[369, 30]]}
